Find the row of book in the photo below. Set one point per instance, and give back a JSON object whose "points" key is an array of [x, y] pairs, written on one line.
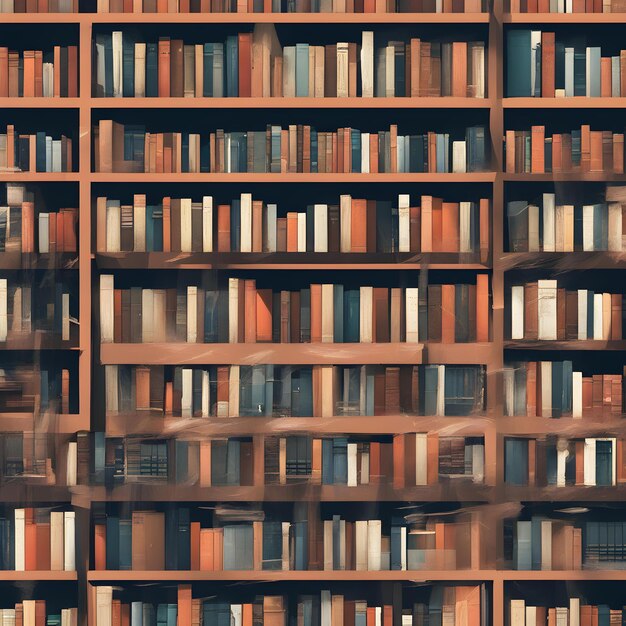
{"points": [[553, 389], [589, 462], [28, 389], [298, 148], [291, 6], [543, 310], [584, 150], [46, 308], [415, 459], [540, 65], [523, 614], [327, 313], [294, 391], [255, 65], [154, 540], [551, 227], [34, 613], [35, 152], [36, 539], [248, 225], [37, 73], [51, 233], [27, 455], [567, 6], [463, 604]]}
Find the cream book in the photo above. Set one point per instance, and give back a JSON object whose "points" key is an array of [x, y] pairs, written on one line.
{"points": [[111, 388], [140, 70], [69, 541], [367, 64], [320, 231], [139, 223], [106, 308], [20, 537], [345, 223], [207, 223], [192, 314], [245, 234], [549, 209], [404, 223]]}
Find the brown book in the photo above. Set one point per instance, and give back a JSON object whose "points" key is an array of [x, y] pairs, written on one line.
{"points": [[100, 537], [616, 317], [194, 543], [537, 149], [381, 314], [245, 64], [447, 313], [184, 605], [399, 465], [432, 458], [358, 226], [571, 316], [434, 313], [392, 390], [164, 65], [263, 315], [459, 69], [450, 227], [223, 227], [547, 64], [316, 313], [595, 152]]}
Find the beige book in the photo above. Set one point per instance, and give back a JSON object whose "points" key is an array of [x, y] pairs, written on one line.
{"points": [[328, 405], [615, 227], [546, 388], [559, 227], [342, 70], [140, 70], [207, 223], [285, 552], [598, 323], [568, 228], [110, 388], [328, 545], [366, 314], [245, 242], [20, 546], [107, 327], [320, 239], [65, 317], [139, 223], [367, 64], [534, 244], [101, 224], [113, 226], [518, 612], [233, 391], [69, 541], [547, 294], [28, 613], [186, 401], [320, 59], [390, 73], [301, 232], [328, 315], [411, 315], [374, 537], [185, 219], [345, 223], [233, 310], [104, 606], [147, 315], [199, 70], [360, 540], [421, 459]]}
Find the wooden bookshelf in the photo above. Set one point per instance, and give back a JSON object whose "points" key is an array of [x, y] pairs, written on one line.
{"points": [[491, 424]]}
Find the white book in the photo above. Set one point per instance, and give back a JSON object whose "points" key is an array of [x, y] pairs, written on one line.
{"points": [[186, 391], [245, 232], [139, 224], [140, 70], [559, 228], [342, 70], [44, 231], [459, 157], [533, 228], [270, 228], [404, 223], [352, 465], [412, 314], [233, 310], [441, 383], [113, 226], [365, 153], [421, 459], [69, 541], [577, 394], [49, 154], [535, 48], [549, 219], [561, 458], [325, 608], [328, 317], [374, 538], [29, 615], [320, 219], [20, 545], [65, 317], [207, 223], [328, 545], [71, 464], [56, 540], [4, 316], [147, 315], [390, 74], [546, 545], [597, 316], [546, 388], [589, 459], [547, 309], [48, 80], [360, 540], [403, 548], [478, 463], [107, 305], [117, 63], [517, 312], [185, 225], [345, 223], [615, 227], [582, 314], [111, 387], [206, 394], [55, 155], [233, 391], [301, 232], [104, 606], [465, 221], [366, 312], [236, 611], [285, 551], [588, 210], [378, 616], [192, 314], [367, 64], [400, 154], [574, 612]]}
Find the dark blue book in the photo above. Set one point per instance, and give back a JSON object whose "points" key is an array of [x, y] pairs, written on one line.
{"points": [[429, 382], [113, 542], [604, 463], [268, 404], [272, 545], [351, 316], [327, 462], [185, 152], [161, 615], [340, 460], [205, 153], [182, 460], [152, 70], [314, 159], [232, 66], [233, 463], [356, 150], [235, 225], [108, 66], [40, 152], [183, 539], [580, 72], [604, 615], [338, 300], [171, 538], [275, 149], [557, 388], [396, 547], [310, 228], [516, 461], [211, 315], [149, 228], [306, 392], [590, 298], [126, 542], [518, 64], [301, 557], [207, 78], [128, 66], [567, 391], [384, 228]]}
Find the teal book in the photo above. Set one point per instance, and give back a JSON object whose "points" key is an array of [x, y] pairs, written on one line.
{"points": [[518, 64], [302, 70]]}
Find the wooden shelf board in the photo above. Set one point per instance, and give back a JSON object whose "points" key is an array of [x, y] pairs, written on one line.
{"points": [[39, 340], [577, 102], [26, 260], [39, 177], [287, 261], [563, 261], [37, 575], [474, 177], [251, 354], [138, 423], [568, 426], [586, 344], [564, 18], [460, 353], [569, 493], [53, 423], [591, 177], [291, 103], [39, 103]]}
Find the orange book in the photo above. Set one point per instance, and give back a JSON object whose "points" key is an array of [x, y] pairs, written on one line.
{"points": [[482, 307], [245, 65], [250, 311], [207, 550], [184, 605], [484, 229], [292, 232], [30, 540], [223, 228], [358, 226], [72, 71], [447, 313], [427, 224], [28, 227], [548, 45], [164, 88], [316, 313], [29, 74], [194, 542], [595, 152], [100, 539], [398, 462], [218, 549], [605, 77], [450, 227], [264, 315], [585, 147], [437, 223], [459, 69], [316, 461], [532, 461], [580, 463], [537, 149], [43, 546], [257, 545], [432, 458]]}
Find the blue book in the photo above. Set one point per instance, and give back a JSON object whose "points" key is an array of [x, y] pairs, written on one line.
{"points": [[128, 64], [275, 149], [351, 316], [310, 228], [604, 615], [518, 64], [396, 547], [233, 463], [302, 70], [172, 614], [113, 542], [300, 531], [429, 375], [580, 73], [136, 613], [523, 546], [327, 462], [207, 76], [149, 228], [557, 389], [384, 226], [40, 152], [126, 532], [340, 460], [184, 152], [269, 390], [108, 66], [356, 150], [338, 300], [516, 461], [235, 225], [161, 615], [590, 298], [604, 463], [272, 545], [306, 392], [205, 153], [567, 391], [313, 151], [152, 70], [232, 66]]}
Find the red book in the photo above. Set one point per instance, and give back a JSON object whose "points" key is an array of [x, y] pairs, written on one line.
{"points": [[548, 64], [245, 65]]}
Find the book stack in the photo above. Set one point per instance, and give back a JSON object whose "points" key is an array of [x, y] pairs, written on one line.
{"points": [[37, 73], [35, 152], [33, 612], [549, 227], [584, 150], [321, 313], [576, 612], [282, 390], [544, 311], [252, 64], [247, 225], [295, 149], [553, 389]]}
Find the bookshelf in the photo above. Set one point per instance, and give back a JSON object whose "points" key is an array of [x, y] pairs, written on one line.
{"points": [[490, 424]]}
